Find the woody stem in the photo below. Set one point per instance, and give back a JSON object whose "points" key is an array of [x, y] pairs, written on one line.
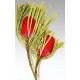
{"points": [[30, 64], [36, 69]]}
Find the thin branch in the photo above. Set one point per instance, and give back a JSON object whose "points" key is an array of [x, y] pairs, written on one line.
{"points": [[30, 64], [36, 69]]}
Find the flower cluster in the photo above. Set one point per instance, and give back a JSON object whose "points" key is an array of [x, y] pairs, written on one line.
{"points": [[27, 31]]}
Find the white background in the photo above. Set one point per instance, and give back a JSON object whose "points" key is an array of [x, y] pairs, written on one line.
{"points": [[7, 40]]}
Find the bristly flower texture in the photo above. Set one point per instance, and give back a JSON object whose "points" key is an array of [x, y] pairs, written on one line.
{"points": [[32, 31]]}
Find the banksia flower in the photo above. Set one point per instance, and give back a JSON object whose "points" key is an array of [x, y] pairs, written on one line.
{"points": [[32, 32]]}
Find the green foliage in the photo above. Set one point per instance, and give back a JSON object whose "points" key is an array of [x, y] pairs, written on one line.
{"points": [[21, 11], [41, 27]]}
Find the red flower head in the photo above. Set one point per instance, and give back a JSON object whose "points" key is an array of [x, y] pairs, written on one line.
{"points": [[28, 24], [48, 47]]}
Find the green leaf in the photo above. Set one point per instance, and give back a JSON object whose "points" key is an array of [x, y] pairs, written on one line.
{"points": [[57, 45], [34, 53]]}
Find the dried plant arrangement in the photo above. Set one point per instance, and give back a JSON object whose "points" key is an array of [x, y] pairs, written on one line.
{"points": [[32, 32]]}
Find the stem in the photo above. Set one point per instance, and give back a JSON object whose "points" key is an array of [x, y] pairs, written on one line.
{"points": [[35, 72], [36, 69], [30, 64]]}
